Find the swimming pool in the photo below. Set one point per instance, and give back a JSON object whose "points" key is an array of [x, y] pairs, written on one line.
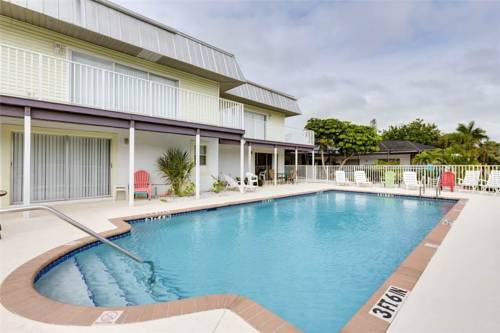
{"points": [[311, 259]]}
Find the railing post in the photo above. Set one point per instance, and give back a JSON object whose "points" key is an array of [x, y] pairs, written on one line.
{"points": [[197, 162], [249, 158], [275, 160], [296, 166], [27, 157], [131, 160], [242, 164]]}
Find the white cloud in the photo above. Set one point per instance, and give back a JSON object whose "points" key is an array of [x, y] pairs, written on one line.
{"points": [[393, 61]]}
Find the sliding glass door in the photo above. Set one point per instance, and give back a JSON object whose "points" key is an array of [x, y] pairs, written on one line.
{"points": [[62, 167]]}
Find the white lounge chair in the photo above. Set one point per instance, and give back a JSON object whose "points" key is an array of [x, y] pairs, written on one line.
{"points": [[471, 179], [234, 185], [253, 180], [340, 178], [360, 179], [493, 182], [410, 180]]}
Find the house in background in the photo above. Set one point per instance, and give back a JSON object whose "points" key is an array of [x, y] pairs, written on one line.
{"points": [[393, 151], [399, 152], [91, 92]]}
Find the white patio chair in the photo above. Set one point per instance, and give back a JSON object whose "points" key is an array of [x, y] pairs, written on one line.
{"points": [[234, 185], [410, 180], [360, 179], [340, 178], [471, 179], [253, 180], [493, 182]]}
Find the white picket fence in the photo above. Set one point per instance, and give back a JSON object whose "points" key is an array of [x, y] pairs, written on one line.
{"points": [[427, 174]]}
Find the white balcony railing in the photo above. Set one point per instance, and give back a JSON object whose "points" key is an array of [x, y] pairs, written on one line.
{"points": [[25, 73], [257, 129], [296, 135]]}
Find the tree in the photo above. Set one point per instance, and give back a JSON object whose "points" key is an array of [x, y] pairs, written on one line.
{"points": [[323, 131], [472, 136], [489, 152], [347, 138], [416, 131]]}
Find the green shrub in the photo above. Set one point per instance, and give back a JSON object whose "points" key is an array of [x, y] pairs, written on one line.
{"points": [[176, 166]]}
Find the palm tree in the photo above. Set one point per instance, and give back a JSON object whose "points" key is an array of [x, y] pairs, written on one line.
{"points": [[176, 166], [473, 135]]}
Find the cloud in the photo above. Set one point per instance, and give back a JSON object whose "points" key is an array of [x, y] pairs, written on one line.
{"points": [[393, 61]]}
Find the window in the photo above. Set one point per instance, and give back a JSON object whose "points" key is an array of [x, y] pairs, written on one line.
{"points": [[255, 125], [118, 89], [203, 153]]}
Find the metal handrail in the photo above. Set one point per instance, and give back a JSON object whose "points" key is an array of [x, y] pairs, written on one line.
{"points": [[76, 224]]}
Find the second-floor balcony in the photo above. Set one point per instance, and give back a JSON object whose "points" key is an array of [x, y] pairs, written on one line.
{"points": [[24, 73], [257, 128]]}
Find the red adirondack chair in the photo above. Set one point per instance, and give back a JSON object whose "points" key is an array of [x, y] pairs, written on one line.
{"points": [[447, 179], [141, 183]]}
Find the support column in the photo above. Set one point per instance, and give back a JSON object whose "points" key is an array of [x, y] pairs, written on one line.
{"points": [[27, 157], [275, 160], [249, 158], [197, 164], [313, 167], [242, 164], [296, 166], [131, 160]]}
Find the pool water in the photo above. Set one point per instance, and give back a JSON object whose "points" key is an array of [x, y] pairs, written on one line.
{"points": [[312, 259]]}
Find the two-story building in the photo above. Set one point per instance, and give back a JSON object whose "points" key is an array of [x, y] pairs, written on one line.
{"points": [[90, 92]]}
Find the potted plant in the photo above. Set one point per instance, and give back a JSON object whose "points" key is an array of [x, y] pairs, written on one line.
{"points": [[218, 185], [175, 166]]}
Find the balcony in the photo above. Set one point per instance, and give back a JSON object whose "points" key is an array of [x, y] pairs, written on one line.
{"points": [[297, 135], [29, 74], [258, 129]]}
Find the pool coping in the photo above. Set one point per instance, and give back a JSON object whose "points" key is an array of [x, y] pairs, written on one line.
{"points": [[19, 296]]}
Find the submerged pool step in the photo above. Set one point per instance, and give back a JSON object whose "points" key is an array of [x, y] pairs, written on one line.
{"points": [[128, 278], [103, 286]]}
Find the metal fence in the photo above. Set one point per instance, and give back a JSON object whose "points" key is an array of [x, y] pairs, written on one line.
{"points": [[427, 174]]}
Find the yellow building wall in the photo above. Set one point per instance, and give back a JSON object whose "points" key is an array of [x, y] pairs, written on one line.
{"points": [[6, 131], [275, 122], [23, 35]]}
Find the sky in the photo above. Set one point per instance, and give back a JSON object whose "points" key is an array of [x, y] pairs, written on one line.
{"points": [[392, 61]]}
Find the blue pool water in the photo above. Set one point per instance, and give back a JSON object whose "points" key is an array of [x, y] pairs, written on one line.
{"points": [[312, 259]]}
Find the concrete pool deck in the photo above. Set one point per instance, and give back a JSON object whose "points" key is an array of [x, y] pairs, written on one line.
{"points": [[435, 304]]}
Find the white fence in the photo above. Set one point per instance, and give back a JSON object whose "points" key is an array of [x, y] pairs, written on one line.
{"points": [[29, 74], [428, 175]]}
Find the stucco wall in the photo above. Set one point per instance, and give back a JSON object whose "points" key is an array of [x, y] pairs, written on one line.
{"points": [[149, 146]]}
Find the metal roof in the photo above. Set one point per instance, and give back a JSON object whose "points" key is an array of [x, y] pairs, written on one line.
{"points": [[255, 94], [104, 23]]}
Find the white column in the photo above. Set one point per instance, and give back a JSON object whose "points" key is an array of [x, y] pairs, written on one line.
{"points": [[296, 166], [275, 160], [249, 157], [131, 160], [313, 168], [242, 164], [197, 166], [27, 157]]}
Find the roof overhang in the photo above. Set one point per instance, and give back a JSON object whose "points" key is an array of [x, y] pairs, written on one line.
{"points": [[103, 23], [254, 94]]}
